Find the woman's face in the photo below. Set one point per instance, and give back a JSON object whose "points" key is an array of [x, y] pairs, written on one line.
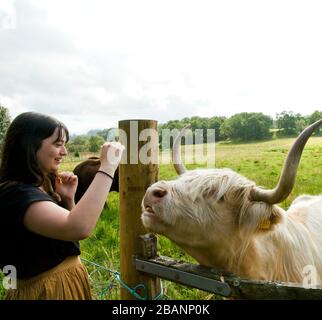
{"points": [[51, 152]]}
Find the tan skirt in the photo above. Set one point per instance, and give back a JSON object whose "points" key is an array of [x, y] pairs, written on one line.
{"points": [[67, 281]]}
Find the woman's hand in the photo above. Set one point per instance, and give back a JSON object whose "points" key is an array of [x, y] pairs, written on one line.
{"points": [[66, 185], [111, 154]]}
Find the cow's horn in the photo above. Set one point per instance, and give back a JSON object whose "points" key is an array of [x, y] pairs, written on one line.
{"points": [[288, 175], [176, 153]]}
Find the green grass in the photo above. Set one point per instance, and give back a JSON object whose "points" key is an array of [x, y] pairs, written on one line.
{"points": [[260, 162]]}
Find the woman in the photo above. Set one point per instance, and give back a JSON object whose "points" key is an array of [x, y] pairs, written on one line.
{"points": [[41, 225]]}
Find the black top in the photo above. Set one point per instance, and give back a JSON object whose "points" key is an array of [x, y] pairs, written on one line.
{"points": [[29, 252]]}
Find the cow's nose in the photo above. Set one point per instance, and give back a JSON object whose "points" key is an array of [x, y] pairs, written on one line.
{"points": [[159, 193], [154, 195]]}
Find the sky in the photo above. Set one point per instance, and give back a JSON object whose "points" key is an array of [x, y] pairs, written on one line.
{"points": [[91, 63]]}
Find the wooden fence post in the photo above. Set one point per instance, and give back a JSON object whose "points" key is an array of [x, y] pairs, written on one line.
{"points": [[136, 175]]}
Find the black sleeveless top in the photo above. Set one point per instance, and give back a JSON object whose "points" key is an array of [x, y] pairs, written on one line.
{"points": [[29, 252]]}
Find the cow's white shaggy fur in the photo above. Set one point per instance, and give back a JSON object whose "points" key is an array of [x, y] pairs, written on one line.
{"points": [[210, 214]]}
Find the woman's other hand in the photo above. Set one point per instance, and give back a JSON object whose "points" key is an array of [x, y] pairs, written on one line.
{"points": [[66, 185]]}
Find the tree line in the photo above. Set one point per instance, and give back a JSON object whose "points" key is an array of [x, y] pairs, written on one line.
{"points": [[249, 126], [241, 127]]}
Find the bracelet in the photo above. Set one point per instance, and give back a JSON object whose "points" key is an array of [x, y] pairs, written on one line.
{"points": [[107, 174]]}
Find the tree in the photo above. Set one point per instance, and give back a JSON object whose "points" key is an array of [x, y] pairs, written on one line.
{"points": [[198, 123], [4, 124], [247, 126], [290, 123], [315, 116], [95, 143], [78, 144], [216, 123]]}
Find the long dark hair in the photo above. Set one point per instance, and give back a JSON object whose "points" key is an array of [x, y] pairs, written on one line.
{"points": [[23, 139]]}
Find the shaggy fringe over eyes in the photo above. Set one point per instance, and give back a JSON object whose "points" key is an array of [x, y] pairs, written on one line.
{"points": [[196, 185], [215, 183]]}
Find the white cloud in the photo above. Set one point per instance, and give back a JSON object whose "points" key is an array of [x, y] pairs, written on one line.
{"points": [[94, 62], [7, 15]]}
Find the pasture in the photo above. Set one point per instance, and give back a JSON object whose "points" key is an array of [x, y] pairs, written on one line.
{"points": [[260, 162]]}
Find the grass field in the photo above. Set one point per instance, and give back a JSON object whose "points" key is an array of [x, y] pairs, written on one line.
{"points": [[260, 162]]}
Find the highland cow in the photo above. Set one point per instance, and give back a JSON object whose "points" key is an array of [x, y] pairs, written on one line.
{"points": [[224, 220]]}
